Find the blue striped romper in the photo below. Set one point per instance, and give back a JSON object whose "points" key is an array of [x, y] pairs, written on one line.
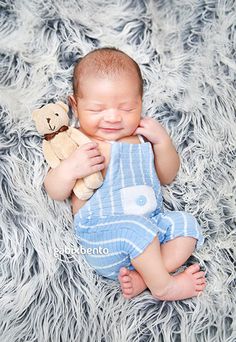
{"points": [[126, 212]]}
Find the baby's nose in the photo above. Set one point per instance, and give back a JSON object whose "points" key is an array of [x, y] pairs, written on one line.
{"points": [[113, 115]]}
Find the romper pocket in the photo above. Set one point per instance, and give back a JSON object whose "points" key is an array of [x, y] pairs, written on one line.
{"points": [[138, 200]]}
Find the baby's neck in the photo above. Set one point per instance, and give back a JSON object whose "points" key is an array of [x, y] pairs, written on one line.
{"points": [[110, 141], [133, 139]]}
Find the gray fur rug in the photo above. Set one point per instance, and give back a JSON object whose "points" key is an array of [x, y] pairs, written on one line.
{"points": [[186, 50]]}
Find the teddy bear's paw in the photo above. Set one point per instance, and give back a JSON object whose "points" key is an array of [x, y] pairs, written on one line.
{"points": [[81, 191], [94, 181]]}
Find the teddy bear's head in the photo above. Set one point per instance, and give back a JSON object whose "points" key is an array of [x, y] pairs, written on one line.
{"points": [[51, 117]]}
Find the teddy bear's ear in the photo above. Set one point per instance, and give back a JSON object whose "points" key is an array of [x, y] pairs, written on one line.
{"points": [[63, 105], [35, 114]]}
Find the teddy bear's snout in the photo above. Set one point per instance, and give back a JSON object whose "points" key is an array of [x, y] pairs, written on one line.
{"points": [[50, 124]]}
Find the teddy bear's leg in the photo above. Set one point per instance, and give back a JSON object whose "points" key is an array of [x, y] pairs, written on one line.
{"points": [[94, 181], [81, 190]]}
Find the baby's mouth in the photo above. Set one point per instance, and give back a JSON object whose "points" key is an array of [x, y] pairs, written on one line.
{"points": [[110, 129]]}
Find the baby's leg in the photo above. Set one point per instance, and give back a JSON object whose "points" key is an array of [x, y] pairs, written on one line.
{"points": [[154, 263], [163, 286], [174, 254], [177, 251], [181, 233]]}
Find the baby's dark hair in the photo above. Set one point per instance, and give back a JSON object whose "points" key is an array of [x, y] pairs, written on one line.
{"points": [[107, 61]]}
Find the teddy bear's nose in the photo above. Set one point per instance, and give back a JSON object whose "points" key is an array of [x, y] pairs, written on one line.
{"points": [[48, 120]]}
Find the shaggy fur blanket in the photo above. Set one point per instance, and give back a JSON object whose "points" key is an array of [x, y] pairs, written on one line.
{"points": [[186, 51]]}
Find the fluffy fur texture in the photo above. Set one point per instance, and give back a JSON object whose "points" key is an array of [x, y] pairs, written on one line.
{"points": [[186, 50]]}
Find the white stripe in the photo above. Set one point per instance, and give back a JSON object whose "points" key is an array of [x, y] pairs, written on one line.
{"points": [[151, 166], [185, 223], [89, 209], [100, 206], [131, 164], [122, 174], [118, 222], [111, 265], [172, 226], [161, 230], [110, 181], [109, 241], [141, 163], [106, 255]]}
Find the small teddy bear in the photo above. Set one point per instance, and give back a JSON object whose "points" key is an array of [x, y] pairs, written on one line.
{"points": [[60, 141]]}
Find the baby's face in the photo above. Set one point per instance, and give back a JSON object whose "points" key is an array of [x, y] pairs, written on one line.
{"points": [[109, 108]]}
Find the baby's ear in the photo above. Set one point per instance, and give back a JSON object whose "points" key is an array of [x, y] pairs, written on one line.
{"points": [[72, 102], [63, 105]]}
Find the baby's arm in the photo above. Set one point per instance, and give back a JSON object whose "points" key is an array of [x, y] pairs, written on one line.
{"points": [[166, 158], [60, 181]]}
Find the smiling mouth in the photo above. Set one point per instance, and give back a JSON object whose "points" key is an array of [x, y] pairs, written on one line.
{"points": [[107, 129]]}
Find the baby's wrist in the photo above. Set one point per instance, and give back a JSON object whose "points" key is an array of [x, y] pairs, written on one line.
{"points": [[67, 172], [163, 143]]}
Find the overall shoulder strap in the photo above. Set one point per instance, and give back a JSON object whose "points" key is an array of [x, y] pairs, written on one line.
{"points": [[141, 139]]}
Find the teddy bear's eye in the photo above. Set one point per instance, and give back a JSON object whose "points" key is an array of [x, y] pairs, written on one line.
{"points": [[56, 114]]}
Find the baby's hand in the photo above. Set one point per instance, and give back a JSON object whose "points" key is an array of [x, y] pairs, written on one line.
{"points": [[153, 131], [84, 161]]}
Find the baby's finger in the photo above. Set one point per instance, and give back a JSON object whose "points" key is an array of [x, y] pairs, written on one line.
{"points": [[97, 167], [97, 160], [93, 153], [144, 121], [88, 146], [139, 130]]}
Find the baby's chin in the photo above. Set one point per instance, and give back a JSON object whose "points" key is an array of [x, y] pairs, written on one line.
{"points": [[105, 134]]}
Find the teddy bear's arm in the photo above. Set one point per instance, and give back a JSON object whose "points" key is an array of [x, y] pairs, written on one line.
{"points": [[49, 155], [78, 137]]}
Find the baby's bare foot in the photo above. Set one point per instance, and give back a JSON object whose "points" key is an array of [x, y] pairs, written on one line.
{"points": [[131, 283], [187, 284]]}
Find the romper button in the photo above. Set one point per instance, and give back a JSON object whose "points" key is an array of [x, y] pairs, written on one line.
{"points": [[141, 200]]}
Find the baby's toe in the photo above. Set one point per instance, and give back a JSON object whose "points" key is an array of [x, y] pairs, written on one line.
{"points": [[200, 288], [127, 285], [127, 292], [200, 281], [123, 274], [193, 269], [123, 271], [126, 279], [199, 275]]}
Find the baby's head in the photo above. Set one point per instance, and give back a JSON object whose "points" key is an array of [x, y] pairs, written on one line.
{"points": [[108, 89]]}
